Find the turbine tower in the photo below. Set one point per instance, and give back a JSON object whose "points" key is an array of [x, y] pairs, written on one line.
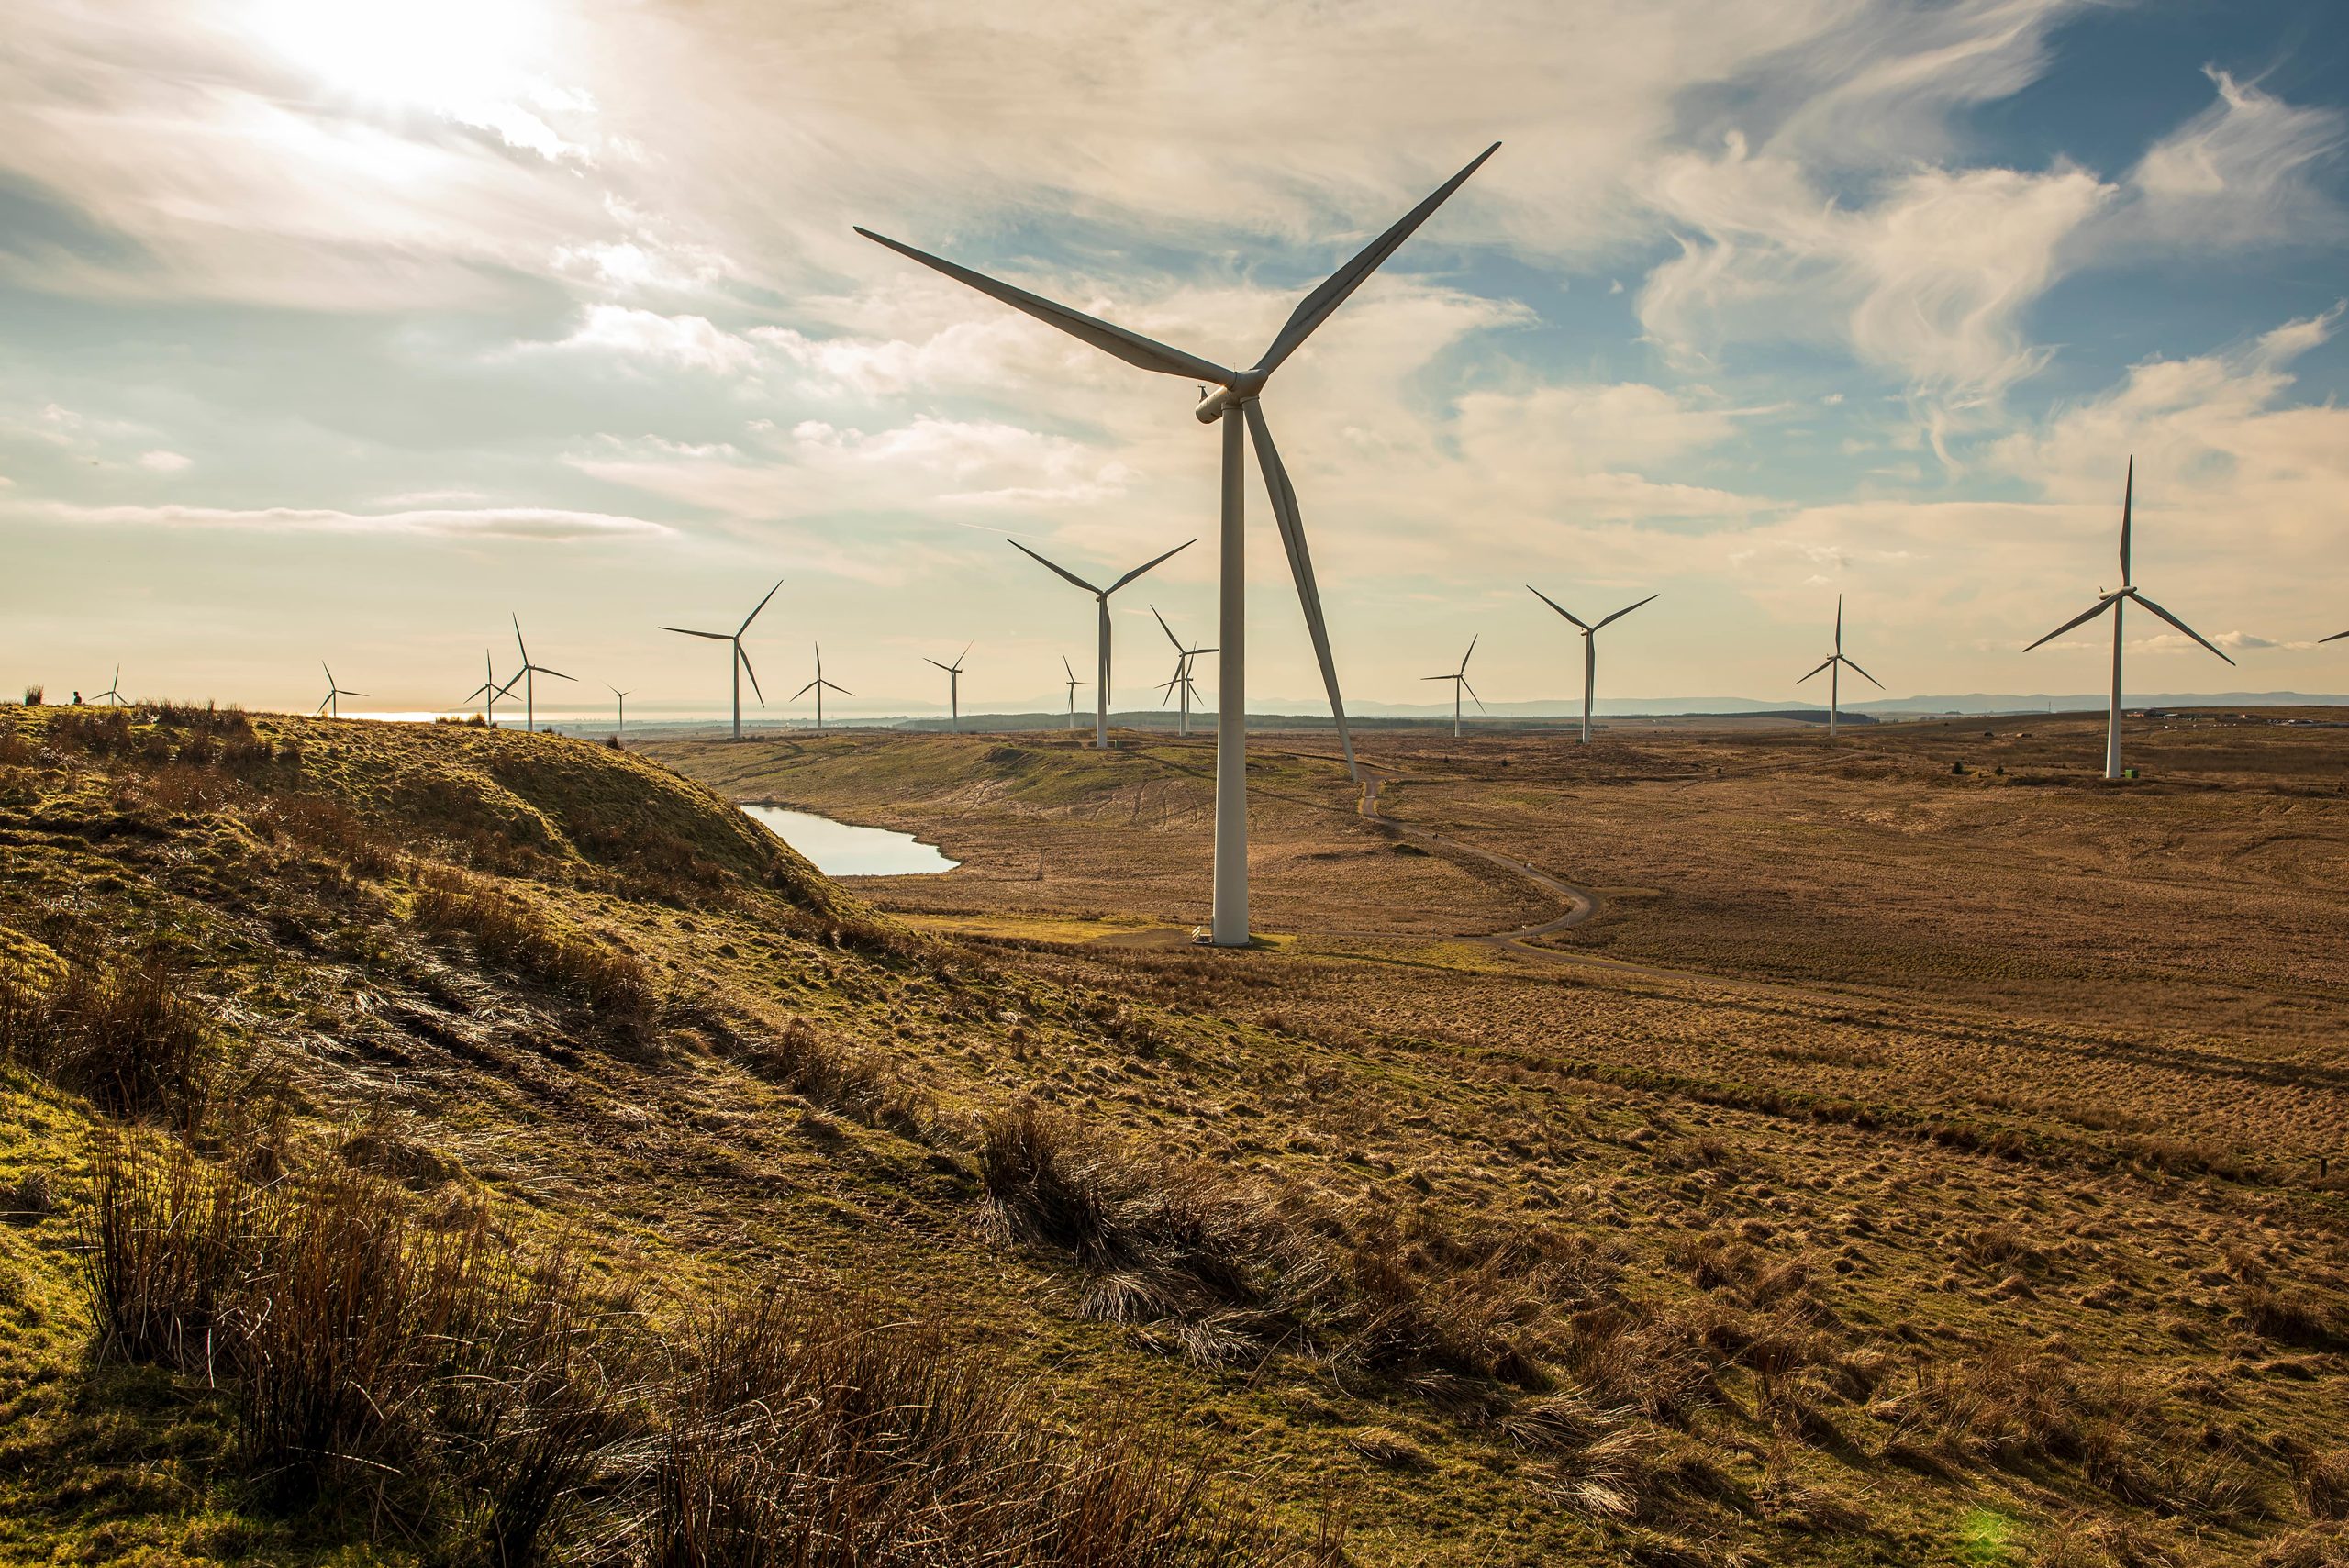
{"points": [[489, 690], [1234, 401], [1184, 658], [622, 696], [1589, 648], [110, 693], [2113, 601], [1101, 601], [1835, 666], [819, 687], [1072, 691], [955, 686], [742, 660], [1458, 679], [326, 705], [525, 675]]}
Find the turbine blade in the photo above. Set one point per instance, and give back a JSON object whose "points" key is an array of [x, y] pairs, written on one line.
{"points": [[965, 654], [1470, 654], [948, 668], [842, 690], [1148, 564], [556, 674], [752, 672], [805, 690], [1162, 626], [2335, 637], [2102, 606], [1871, 680], [517, 638], [1556, 605], [1823, 666], [2180, 625], [1627, 610], [1130, 347], [2128, 501], [1838, 623], [1472, 692], [713, 636], [755, 613], [1061, 570], [1064, 666], [1300, 566], [1316, 308]]}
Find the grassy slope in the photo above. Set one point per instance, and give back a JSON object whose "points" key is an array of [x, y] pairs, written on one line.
{"points": [[291, 891]]}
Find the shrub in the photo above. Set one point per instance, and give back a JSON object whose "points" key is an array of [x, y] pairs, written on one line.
{"points": [[803, 1431], [125, 1033]]}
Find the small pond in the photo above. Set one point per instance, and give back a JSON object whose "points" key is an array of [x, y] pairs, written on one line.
{"points": [[840, 848]]}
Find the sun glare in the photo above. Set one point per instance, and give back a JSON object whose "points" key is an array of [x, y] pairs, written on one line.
{"points": [[462, 57]]}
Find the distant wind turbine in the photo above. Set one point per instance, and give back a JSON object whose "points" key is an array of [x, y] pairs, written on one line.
{"points": [[1458, 679], [955, 686], [622, 696], [1181, 685], [1235, 400], [1589, 648], [819, 687], [1101, 602], [1835, 666], [2113, 601], [525, 675], [489, 690], [326, 705], [742, 660], [110, 693], [1072, 691]]}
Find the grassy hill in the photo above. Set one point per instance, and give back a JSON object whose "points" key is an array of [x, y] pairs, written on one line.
{"points": [[433, 1144]]}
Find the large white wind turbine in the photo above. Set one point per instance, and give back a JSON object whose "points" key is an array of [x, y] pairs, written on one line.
{"points": [[742, 660], [1234, 401], [1101, 601], [954, 686], [1835, 666], [819, 687], [112, 694], [1181, 685], [621, 730], [1589, 648], [526, 674], [1458, 679], [489, 690], [2113, 601], [326, 705]]}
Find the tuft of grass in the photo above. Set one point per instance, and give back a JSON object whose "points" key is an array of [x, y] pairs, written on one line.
{"points": [[512, 932], [125, 1033]]}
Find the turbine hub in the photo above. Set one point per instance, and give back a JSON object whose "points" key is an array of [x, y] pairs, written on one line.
{"points": [[1223, 400]]}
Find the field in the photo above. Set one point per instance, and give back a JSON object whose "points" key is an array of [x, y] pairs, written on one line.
{"points": [[1710, 1148]]}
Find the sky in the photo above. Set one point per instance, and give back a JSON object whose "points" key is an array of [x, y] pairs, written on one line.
{"points": [[341, 331]]}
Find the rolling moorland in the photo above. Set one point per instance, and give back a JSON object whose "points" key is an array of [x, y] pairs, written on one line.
{"points": [[432, 1144]]}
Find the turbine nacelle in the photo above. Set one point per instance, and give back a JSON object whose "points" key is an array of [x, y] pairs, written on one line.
{"points": [[1219, 401]]}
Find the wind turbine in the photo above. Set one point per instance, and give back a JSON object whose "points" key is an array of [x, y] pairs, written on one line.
{"points": [[2113, 602], [742, 660], [1835, 666], [819, 687], [623, 697], [1183, 658], [326, 705], [1101, 601], [1234, 401], [489, 690], [1072, 691], [110, 692], [1589, 648], [525, 675], [955, 686], [1459, 680]]}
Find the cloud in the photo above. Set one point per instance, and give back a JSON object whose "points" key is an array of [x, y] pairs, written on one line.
{"points": [[542, 523], [162, 461], [624, 333], [2240, 173]]}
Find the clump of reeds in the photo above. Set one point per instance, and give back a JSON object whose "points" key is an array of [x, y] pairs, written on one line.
{"points": [[123, 1031], [513, 932]]}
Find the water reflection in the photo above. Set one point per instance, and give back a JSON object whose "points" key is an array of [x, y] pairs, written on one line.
{"points": [[840, 848]]}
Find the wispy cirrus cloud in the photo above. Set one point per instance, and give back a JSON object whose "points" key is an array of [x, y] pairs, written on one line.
{"points": [[543, 523]]}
